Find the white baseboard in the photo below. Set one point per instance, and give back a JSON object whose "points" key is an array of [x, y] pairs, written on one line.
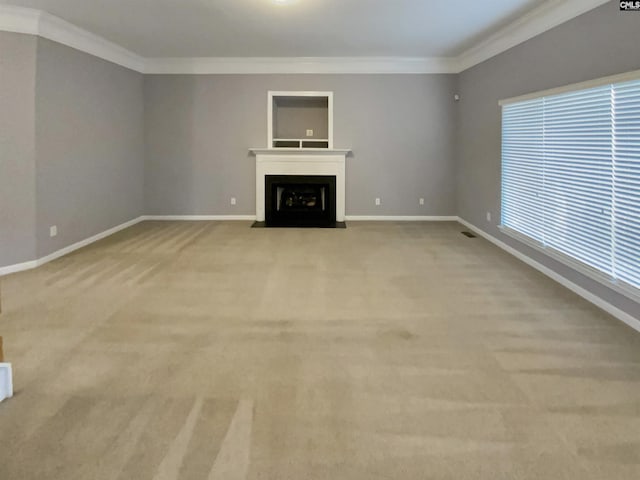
{"points": [[353, 218], [66, 250], [18, 267], [88, 241], [399, 218], [584, 293], [596, 300], [200, 218], [6, 381]]}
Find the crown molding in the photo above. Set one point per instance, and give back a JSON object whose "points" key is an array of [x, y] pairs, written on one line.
{"points": [[545, 17], [550, 14], [300, 65], [61, 31], [19, 19], [42, 24]]}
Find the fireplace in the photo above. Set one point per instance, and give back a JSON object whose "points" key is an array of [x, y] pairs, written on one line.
{"points": [[301, 163], [300, 200], [301, 158]]}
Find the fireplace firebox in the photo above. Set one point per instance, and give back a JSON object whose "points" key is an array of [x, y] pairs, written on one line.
{"points": [[300, 200]]}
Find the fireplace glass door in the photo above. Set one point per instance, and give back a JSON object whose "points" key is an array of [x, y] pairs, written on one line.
{"points": [[300, 200]]}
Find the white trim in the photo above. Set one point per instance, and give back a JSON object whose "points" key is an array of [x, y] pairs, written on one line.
{"points": [[593, 273], [88, 241], [545, 17], [286, 152], [199, 218], [61, 31], [271, 94], [313, 139], [19, 19], [400, 218], [584, 293], [18, 267], [297, 161], [594, 299], [330, 100], [301, 65], [548, 15], [300, 93], [38, 22], [6, 381], [66, 250], [353, 218], [596, 82], [269, 120]]}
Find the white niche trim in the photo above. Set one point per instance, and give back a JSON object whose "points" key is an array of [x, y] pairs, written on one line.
{"points": [[290, 129]]}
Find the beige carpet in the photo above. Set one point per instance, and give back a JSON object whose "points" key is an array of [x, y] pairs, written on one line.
{"points": [[384, 351]]}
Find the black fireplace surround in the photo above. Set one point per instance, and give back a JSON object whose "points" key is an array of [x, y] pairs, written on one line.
{"points": [[300, 200]]}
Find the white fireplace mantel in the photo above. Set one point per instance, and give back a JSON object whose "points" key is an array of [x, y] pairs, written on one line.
{"points": [[307, 161]]}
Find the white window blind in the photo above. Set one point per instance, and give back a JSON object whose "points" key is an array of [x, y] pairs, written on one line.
{"points": [[626, 169], [571, 176]]}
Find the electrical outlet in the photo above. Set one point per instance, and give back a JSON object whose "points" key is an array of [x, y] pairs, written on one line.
{"points": [[309, 133], [53, 231], [233, 200], [421, 201], [488, 216], [378, 201]]}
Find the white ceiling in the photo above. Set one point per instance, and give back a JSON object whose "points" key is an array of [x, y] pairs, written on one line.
{"points": [[303, 28]]}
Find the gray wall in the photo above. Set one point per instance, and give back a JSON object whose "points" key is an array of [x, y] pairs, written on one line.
{"points": [[89, 145], [198, 130], [601, 42], [17, 144]]}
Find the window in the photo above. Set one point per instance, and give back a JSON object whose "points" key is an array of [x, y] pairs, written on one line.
{"points": [[571, 177]]}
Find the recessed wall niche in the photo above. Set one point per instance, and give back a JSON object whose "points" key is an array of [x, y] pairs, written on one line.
{"points": [[300, 120]]}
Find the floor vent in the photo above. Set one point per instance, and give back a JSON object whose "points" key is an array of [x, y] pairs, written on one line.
{"points": [[469, 234]]}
